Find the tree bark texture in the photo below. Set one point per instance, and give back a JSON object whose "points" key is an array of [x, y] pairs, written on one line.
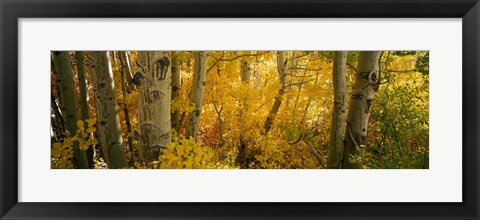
{"points": [[82, 84], [83, 99], [282, 77], [245, 71], [257, 79], [127, 70], [124, 71], [108, 121], [339, 114], [66, 84], [245, 76], [361, 101], [58, 124], [197, 95], [153, 79], [176, 84]]}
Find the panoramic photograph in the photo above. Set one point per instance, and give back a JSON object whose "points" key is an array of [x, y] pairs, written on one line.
{"points": [[239, 110]]}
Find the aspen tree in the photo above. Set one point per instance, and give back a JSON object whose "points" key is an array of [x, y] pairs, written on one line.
{"points": [[124, 72], [66, 85], [198, 93], [153, 79], [282, 77], [361, 100], [83, 99], [339, 114], [176, 84], [108, 121]]}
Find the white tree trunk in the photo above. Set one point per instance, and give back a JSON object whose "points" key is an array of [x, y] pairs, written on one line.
{"points": [[198, 92], [66, 85], [340, 94], [82, 84], [257, 79], [176, 84], [127, 70], [361, 100], [245, 71], [83, 99], [153, 78], [124, 71], [108, 121], [282, 77]]}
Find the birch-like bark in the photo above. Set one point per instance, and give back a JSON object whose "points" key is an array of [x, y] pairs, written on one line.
{"points": [[282, 77], [245, 76], [176, 84], [124, 71], [256, 75], [198, 92], [127, 70], [82, 84], [340, 94], [245, 71], [153, 78], [83, 99], [66, 84], [58, 124], [108, 121], [361, 100]]}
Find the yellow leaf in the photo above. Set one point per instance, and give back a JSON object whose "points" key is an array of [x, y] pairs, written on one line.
{"points": [[80, 124], [57, 145], [92, 142], [90, 122], [74, 138], [83, 147], [91, 130], [67, 143]]}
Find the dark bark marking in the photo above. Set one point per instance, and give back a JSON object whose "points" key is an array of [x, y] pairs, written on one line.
{"points": [[369, 104], [175, 88], [154, 151], [138, 79], [162, 68], [147, 127], [357, 96], [165, 135], [155, 94], [373, 77], [362, 140], [197, 112], [364, 75]]}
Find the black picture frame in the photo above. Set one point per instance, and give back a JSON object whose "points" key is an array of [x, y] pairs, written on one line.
{"points": [[12, 10]]}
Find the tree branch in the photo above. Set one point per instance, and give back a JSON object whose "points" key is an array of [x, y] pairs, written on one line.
{"points": [[232, 59], [304, 68], [352, 67]]}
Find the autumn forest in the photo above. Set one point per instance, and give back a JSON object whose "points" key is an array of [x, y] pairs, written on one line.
{"points": [[239, 110]]}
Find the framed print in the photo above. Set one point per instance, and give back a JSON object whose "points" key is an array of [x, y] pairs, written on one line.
{"points": [[224, 109]]}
